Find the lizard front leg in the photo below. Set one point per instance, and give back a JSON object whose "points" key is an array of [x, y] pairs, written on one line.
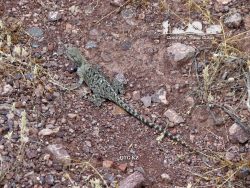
{"points": [[96, 99], [118, 86], [76, 86]]}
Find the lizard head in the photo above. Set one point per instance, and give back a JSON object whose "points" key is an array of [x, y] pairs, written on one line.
{"points": [[74, 55]]}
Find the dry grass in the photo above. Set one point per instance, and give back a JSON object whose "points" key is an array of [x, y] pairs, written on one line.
{"points": [[5, 169], [226, 51]]}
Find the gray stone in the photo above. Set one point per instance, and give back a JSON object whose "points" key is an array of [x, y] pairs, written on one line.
{"points": [[237, 134], [233, 20], [59, 153], [90, 44], [174, 117], [35, 32], [135, 180], [146, 101]]}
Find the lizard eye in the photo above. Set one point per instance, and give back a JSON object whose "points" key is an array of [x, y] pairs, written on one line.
{"points": [[74, 69], [71, 69]]}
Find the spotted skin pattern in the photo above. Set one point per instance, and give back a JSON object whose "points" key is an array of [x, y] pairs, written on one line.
{"points": [[102, 89]]}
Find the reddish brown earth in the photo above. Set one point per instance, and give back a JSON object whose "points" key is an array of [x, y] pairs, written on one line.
{"points": [[106, 133]]}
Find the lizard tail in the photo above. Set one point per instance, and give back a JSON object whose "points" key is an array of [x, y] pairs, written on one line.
{"points": [[150, 124]]}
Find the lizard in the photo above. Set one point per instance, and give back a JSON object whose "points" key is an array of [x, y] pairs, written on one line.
{"points": [[103, 90]]}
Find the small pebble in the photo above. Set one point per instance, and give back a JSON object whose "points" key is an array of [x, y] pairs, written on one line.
{"points": [[54, 16], [146, 101], [166, 177], [35, 32]]}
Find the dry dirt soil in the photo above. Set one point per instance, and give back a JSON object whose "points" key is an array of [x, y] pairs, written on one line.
{"points": [[105, 144]]}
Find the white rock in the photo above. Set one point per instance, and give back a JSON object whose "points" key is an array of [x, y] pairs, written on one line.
{"points": [[59, 153], [213, 29], [178, 30], [54, 16], [166, 177], [179, 52], [165, 26], [174, 117], [224, 2], [231, 79], [194, 28]]}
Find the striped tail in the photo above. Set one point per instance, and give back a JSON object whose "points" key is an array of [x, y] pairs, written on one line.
{"points": [[150, 124]]}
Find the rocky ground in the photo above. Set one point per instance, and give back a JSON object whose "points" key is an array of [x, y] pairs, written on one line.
{"points": [[184, 65]]}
